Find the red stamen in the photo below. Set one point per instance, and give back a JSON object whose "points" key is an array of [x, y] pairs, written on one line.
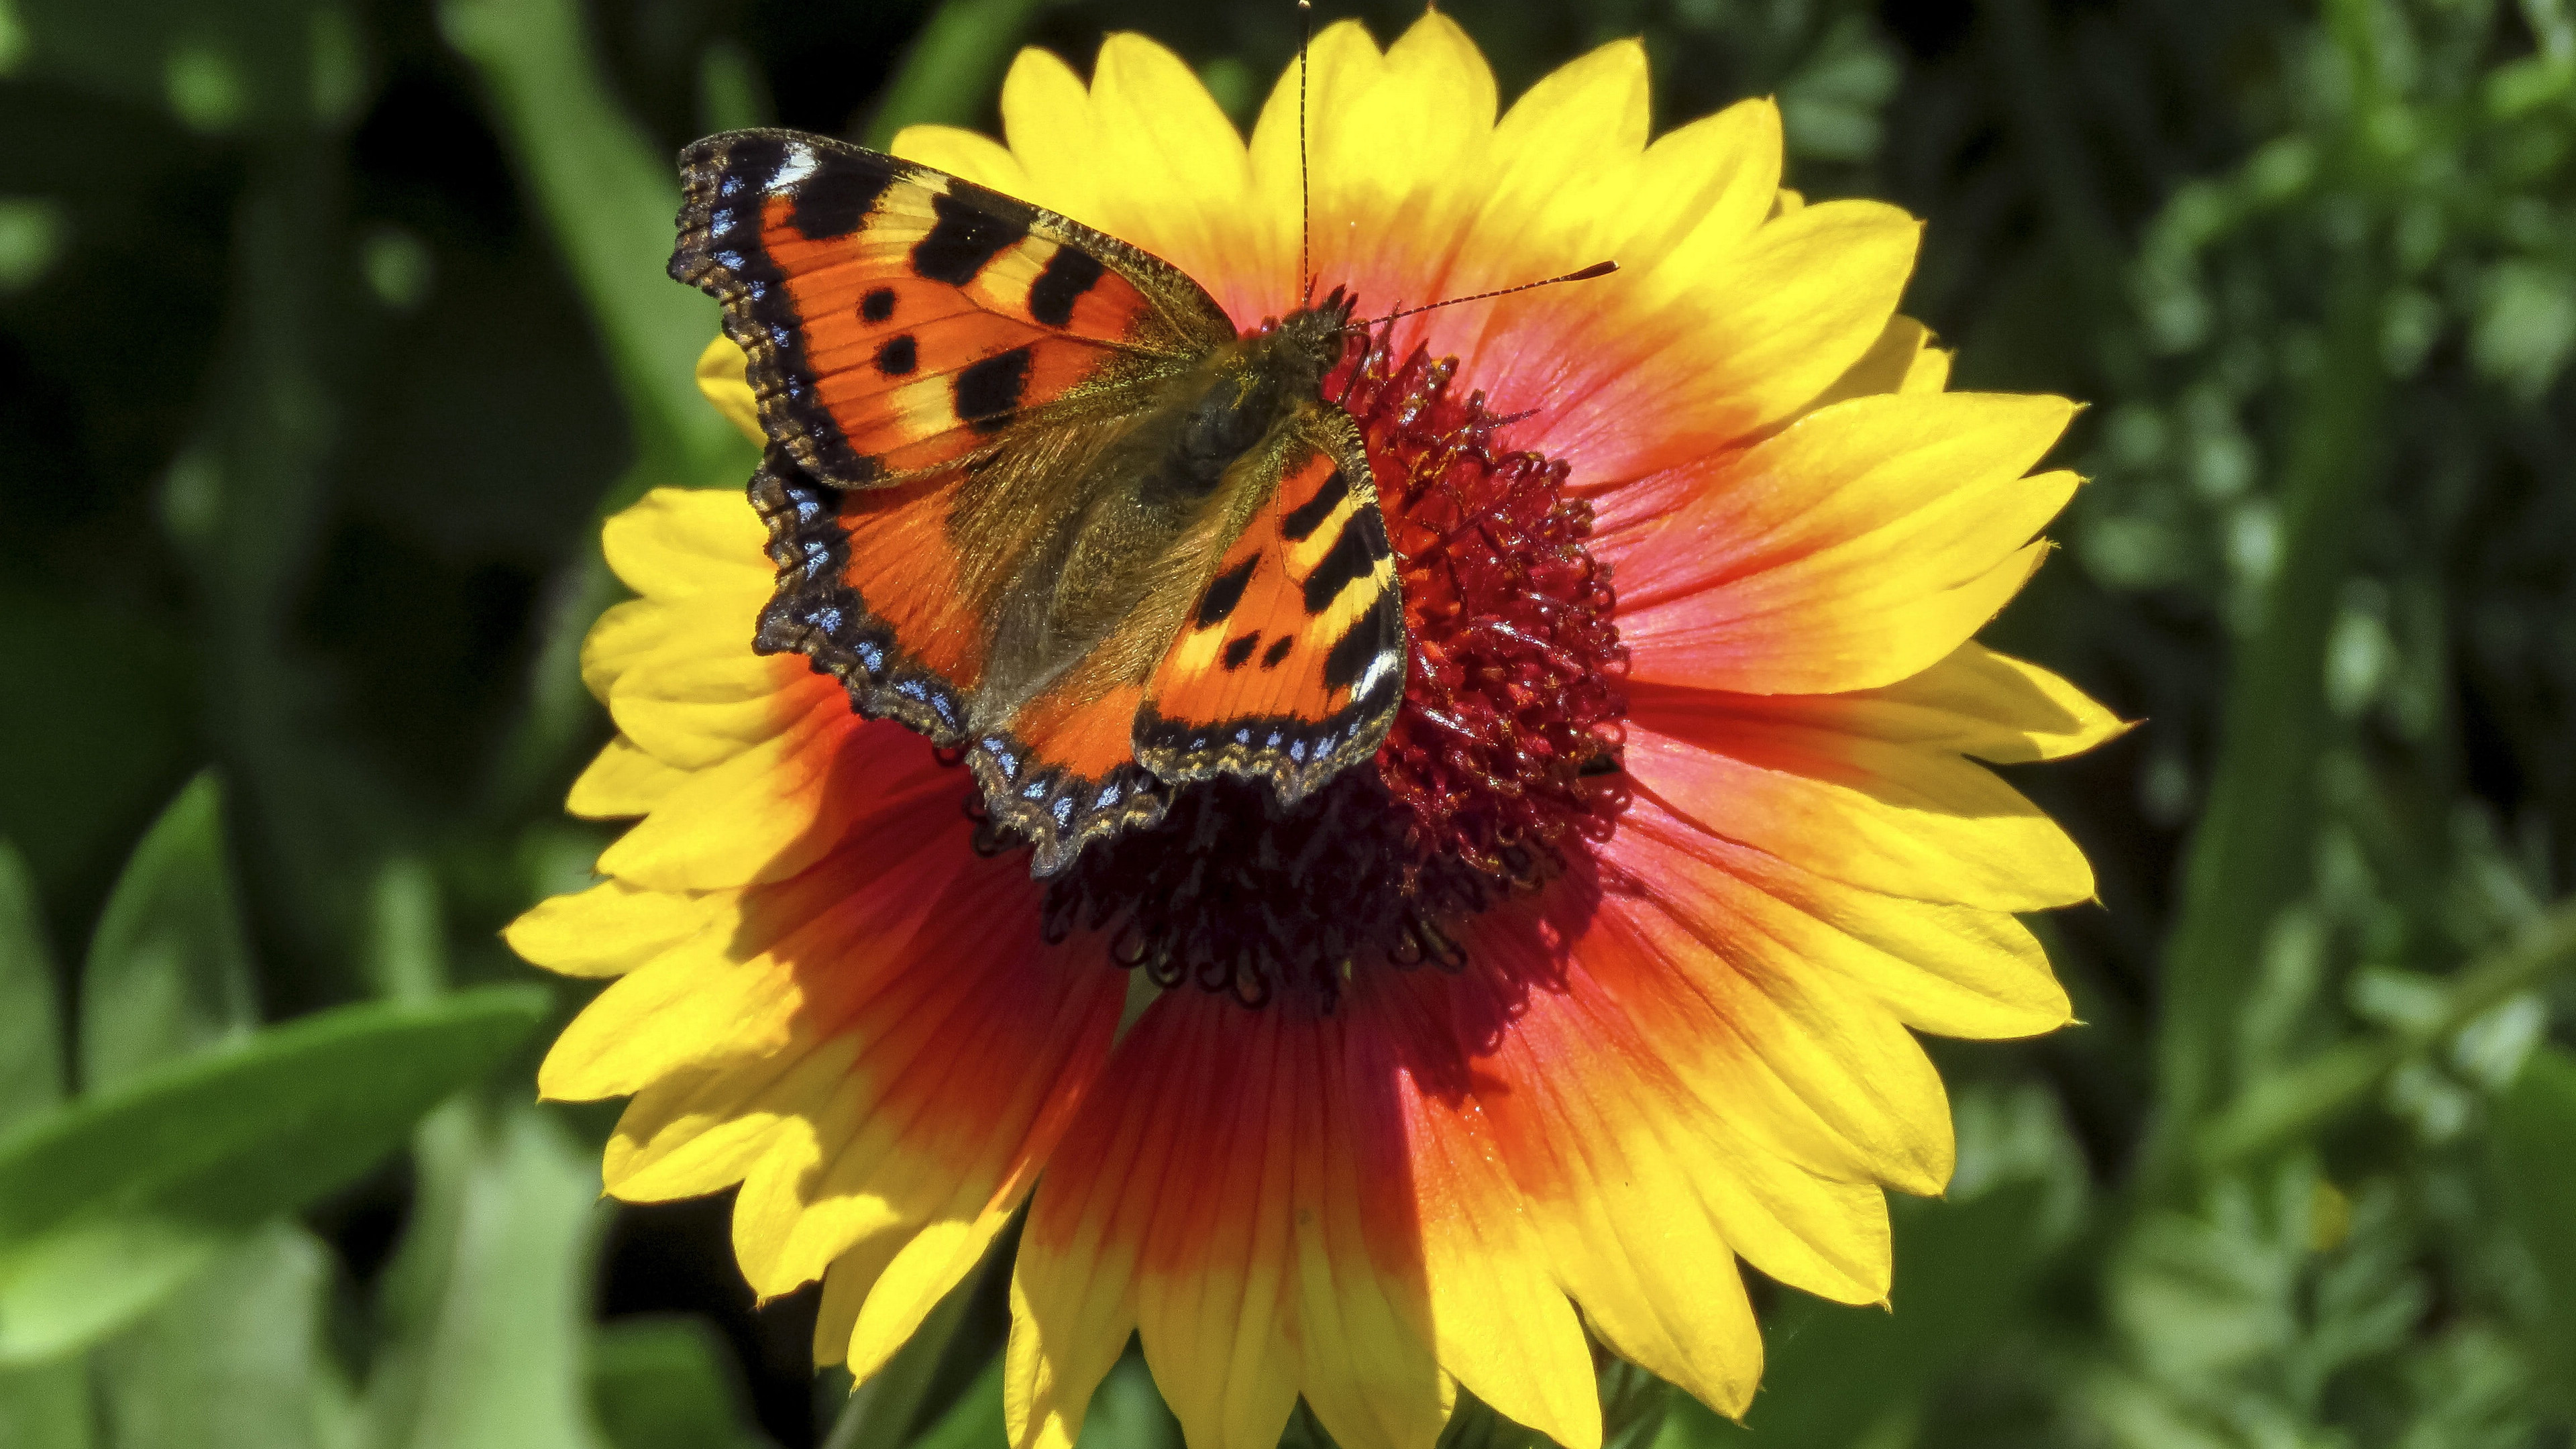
{"points": [[1513, 686]]}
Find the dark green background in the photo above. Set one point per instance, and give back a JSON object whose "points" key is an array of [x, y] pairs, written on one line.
{"points": [[327, 332]]}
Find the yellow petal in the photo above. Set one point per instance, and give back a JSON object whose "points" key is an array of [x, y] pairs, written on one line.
{"points": [[1723, 341], [608, 930], [978, 158], [1210, 1318], [621, 782], [624, 634], [1886, 367], [1370, 1375], [1627, 1232], [762, 815], [1979, 703], [675, 542], [1892, 818], [694, 702], [1710, 181], [1814, 1068], [1498, 1320], [1853, 471], [846, 1285], [1069, 1323], [1852, 550], [936, 1259], [1595, 1066], [689, 1006], [1183, 185], [1046, 117], [723, 375], [1389, 220], [1956, 970], [700, 1129], [1771, 320], [804, 1201], [1811, 1232], [1582, 120]]}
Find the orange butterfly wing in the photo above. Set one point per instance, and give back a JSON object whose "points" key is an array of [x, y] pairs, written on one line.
{"points": [[907, 648], [899, 320], [1292, 664]]}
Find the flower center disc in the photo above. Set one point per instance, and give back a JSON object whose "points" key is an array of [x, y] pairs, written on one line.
{"points": [[1502, 758]]}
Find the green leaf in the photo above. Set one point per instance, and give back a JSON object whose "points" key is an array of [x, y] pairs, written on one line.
{"points": [[31, 1031], [218, 68], [2284, 1108], [608, 195], [2534, 1124], [47, 1406], [491, 1309], [109, 1205], [975, 1420], [667, 1382], [233, 1360], [2250, 852], [1961, 1269], [880, 1410], [1128, 1412], [169, 973], [949, 77]]}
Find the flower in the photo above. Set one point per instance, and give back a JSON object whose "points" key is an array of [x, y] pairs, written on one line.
{"points": [[1681, 810]]}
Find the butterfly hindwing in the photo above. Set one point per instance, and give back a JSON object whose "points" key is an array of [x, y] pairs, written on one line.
{"points": [[905, 653], [900, 320], [1291, 664]]}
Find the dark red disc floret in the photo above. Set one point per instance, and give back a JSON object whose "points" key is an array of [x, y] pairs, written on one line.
{"points": [[1506, 741]]}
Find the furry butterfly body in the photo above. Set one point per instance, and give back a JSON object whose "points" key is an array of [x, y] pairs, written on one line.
{"points": [[1031, 494]]}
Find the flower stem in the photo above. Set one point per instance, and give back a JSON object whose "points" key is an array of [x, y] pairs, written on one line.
{"points": [[2250, 854], [2292, 1105]]}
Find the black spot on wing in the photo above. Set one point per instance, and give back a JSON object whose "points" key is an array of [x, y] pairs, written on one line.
{"points": [[1069, 273], [988, 392], [1374, 633], [966, 236], [1350, 558], [899, 356], [1278, 650], [1238, 652], [837, 196], [1224, 592], [1310, 515], [877, 305]]}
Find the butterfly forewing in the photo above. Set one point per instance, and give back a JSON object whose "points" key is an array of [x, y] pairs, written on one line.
{"points": [[900, 320]]}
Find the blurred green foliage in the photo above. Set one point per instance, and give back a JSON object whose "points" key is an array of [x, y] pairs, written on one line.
{"points": [[331, 330]]}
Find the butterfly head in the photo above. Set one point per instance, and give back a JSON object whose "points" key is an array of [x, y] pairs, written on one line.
{"points": [[1312, 339]]}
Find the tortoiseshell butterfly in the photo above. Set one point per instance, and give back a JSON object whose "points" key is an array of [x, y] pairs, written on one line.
{"points": [[1031, 494]]}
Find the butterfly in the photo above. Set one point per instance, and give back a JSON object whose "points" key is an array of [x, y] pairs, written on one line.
{"points": [[1030, 493]]}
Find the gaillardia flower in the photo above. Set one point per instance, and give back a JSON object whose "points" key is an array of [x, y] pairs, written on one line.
{"points": [[1601, 976]]}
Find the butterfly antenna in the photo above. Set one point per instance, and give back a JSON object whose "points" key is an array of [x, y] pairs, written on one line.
{"points": [[1597, 269], [1305, 197]]}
